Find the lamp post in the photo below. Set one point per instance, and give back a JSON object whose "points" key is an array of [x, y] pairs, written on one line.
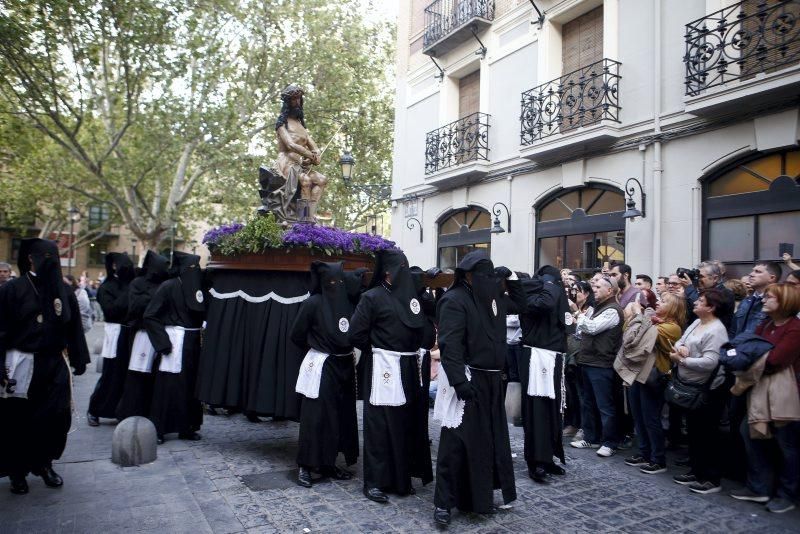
{"points": [[413, 221], [133, 248], [376, 191], [631, 212], [74, 216], [173, 229], [496, 228]]}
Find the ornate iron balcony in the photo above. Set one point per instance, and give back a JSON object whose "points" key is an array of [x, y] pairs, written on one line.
{"points": [[443, 17], [740, 41], [461, 141], [580, 98]]}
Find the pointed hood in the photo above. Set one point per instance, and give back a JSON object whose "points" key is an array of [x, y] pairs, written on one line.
{"points": [[190, 276], [402, 289], [41, 257]]}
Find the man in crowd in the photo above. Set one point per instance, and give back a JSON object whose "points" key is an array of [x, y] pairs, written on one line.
{"points": [[474, 451], [390, 327], [39, 318], [643, 281], [661, 285], [712, 275], [173, 320], [601, 338], [622, 273], [5, 273], [113, 299], [749, 314]]}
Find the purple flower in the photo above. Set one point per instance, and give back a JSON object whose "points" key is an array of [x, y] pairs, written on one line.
{"points": [[334, 239], [215, 234]]}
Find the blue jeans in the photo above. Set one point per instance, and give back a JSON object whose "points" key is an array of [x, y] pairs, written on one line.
{"points": [[763, 466], [598, 395], [646, 404]]}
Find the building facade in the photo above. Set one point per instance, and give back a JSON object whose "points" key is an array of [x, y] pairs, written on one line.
{"points": [[539, 123]]}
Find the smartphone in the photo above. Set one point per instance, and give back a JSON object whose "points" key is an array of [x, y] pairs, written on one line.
{"points": [[785, 248]]}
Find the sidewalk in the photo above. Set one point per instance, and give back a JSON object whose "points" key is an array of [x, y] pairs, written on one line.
{"points": [[240, 478]]}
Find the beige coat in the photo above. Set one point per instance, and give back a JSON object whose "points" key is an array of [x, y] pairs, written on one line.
{"points": [[773, 399], [637, 355]]}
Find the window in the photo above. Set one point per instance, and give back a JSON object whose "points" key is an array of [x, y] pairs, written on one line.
{"points": [[97, 253], [461, 232], [749, 208], [581, 229], [99, 215], [581, 46]]}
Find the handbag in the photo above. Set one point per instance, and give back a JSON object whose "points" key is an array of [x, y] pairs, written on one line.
{"points": [[688, 395]]}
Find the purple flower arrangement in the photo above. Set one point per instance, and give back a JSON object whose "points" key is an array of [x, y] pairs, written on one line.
{"points": [[324, 238]]}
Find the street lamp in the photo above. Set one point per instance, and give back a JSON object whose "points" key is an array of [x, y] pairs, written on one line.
{"points": [[631, 212], [74, 216], [173, 229], [133, 248], [496, 228], [377, 191], [413, 221]]}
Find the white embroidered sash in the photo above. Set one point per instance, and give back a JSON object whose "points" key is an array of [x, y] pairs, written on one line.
{"points": [[142, 353], [310, 375], [447, 407], [541, 381], [387, 384], [173, 362], [19, 366], [111, 340]]}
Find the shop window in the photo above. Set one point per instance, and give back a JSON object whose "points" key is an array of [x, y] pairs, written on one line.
{"points": [[461, 232]]}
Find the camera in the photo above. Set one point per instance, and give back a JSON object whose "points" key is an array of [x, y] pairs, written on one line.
{"points": [[693, 274]]}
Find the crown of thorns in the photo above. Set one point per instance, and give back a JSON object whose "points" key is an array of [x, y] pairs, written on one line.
{"points": [[291, 91]]}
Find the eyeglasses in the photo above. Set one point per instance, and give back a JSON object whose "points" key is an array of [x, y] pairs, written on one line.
{"points": [[673, 283]]}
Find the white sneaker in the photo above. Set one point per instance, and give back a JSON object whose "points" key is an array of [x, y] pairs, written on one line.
{"points": [[605, 452], [583, 444]]}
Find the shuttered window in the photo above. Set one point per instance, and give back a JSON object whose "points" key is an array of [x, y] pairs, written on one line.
{"points": [[582, 41], [763, 44], [469, 94]]}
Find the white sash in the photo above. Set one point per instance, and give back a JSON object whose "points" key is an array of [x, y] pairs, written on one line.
{"points": [[173, 362], [19, 366], [387, 384], [541, 381], [142, 353], [310, 374], [447, 407], [110, 340]]}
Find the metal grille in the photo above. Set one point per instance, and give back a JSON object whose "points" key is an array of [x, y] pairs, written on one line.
{"points": [[464, 140], [737, 42], [580, 98], [442, 17]]}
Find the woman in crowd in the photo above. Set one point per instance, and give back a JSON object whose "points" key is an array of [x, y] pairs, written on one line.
{"points": [[696, 362], [793, 278], [83, 302], [782, 368], [581, 299], [647, 371]]}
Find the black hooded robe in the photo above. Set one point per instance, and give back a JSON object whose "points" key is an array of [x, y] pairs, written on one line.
{"points": [[474, 459], [137, 392], [329, 423], [175, 407], [394, 447], [542, 306], [112, 296], [38, 425]]}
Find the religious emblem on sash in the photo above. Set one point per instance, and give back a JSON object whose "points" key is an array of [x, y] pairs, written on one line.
{"points": [[199, 296], [494, 307], [386, 376], [414, 305], [344, 325], [58, 307], [39, 318], [568, 318]]}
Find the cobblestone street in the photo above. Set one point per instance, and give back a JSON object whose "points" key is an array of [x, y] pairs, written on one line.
{"points": [[240, 478]]}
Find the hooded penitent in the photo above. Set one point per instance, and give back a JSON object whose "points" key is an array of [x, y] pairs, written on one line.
{"points": [[548, 273], [404, 293], [191, 279], [41, 257], [425, 297], [333, 316], [155, 267], [119, 264], [484, 288]]}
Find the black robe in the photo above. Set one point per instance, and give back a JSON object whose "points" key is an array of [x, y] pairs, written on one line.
{"points": [[475, 458], [113, 299], [394, 447], [175, 407], [34, 430], [329, 423], [138, 389], [539, 305]]}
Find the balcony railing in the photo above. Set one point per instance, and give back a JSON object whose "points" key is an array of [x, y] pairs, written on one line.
{"points": [[443, 17], [580, 98], [462, 141], [740, 41]]}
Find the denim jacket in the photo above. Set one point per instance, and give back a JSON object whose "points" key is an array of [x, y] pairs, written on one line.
{"points": [[749, 315]]}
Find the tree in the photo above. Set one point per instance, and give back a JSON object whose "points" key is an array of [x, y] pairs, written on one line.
{"points": [[154, 100]]}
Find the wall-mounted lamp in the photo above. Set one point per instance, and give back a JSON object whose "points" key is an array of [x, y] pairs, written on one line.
{"points": [[631, 212], [410, 222], [496, 228]]}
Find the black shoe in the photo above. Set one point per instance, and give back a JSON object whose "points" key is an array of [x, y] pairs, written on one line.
{"points": [[252, 417], [339, 474], [539, 475], [517, 421], [304, 478], [210, 410], [553, 469], [92, 419], [190, 436], [375, 494], [441, 516], [50, 477], [160, 439], [19, 486]]}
